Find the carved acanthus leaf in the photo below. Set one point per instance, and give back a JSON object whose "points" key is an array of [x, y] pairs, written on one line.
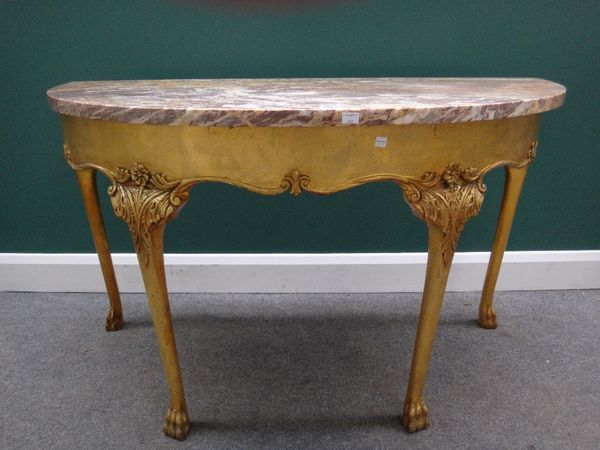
{"points": [[295, 182], [446, 200], [144, 200]]}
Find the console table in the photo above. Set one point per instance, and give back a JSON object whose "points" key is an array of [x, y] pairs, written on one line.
{"points": [[435, 138]]}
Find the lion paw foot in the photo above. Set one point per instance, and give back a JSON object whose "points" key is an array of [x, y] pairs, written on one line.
{"points": [[177, 424], [114, 321], [487, 318], [416, 415]]}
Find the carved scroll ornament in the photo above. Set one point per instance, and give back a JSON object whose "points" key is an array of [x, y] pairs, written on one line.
{"points": [[446, 200], [295, 182], [145, 200], [532, 152]]}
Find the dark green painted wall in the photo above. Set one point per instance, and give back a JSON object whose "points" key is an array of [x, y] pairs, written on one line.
{"points": [[44, 43]]}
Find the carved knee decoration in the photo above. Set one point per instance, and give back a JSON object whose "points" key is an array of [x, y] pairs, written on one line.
{"points": [[446, 200], [145, 200]]}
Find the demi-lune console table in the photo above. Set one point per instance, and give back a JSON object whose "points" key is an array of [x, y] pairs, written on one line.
{"points": [[435, 138]]}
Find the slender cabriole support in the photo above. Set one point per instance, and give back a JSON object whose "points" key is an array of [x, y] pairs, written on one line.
{"points": [[445, 202], [415, 415], [515, 177], [152, 265], [87, 183], [146, 201]]}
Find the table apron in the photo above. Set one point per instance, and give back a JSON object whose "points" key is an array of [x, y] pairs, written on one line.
{"points": [[270, 160]]}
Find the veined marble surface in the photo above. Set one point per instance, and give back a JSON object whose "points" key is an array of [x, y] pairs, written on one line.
{"points": [[306, 102]]}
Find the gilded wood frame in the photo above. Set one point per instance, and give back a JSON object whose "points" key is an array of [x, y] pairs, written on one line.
{"points": [[440, 169]]}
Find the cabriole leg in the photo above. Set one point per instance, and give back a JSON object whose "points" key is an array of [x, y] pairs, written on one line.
{"points": [[415, 415], [515, 176], [87, 184], [146, 201], [153, 272], [445, 202]]}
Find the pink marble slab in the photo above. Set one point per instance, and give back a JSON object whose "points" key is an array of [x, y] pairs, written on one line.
{"points": [[306, 102]]}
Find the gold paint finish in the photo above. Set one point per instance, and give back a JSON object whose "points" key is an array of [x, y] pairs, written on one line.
{"points": [[335, 158], [177, 424], [415, 416], [515, 177], [145, 200], [295, 183], [446, 200], [153, 273], [87, 184], [440, 169]]}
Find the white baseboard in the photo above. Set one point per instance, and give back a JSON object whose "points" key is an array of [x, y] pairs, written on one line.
{"points": [[355, 272]]}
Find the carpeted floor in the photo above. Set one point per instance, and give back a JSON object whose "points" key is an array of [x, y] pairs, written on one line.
{"points": [[301, 372]]}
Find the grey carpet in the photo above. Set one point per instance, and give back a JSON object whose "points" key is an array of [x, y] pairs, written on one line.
{"points": [[301, 371]]}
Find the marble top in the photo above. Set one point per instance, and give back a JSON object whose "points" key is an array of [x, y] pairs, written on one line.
{"points": [[307, 101]]}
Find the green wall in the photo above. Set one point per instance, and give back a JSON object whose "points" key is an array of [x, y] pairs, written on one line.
{"points": [[44, 43]]}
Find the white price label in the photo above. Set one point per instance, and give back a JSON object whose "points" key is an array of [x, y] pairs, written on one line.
{"points": [[381, 141], [350, 118]]}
